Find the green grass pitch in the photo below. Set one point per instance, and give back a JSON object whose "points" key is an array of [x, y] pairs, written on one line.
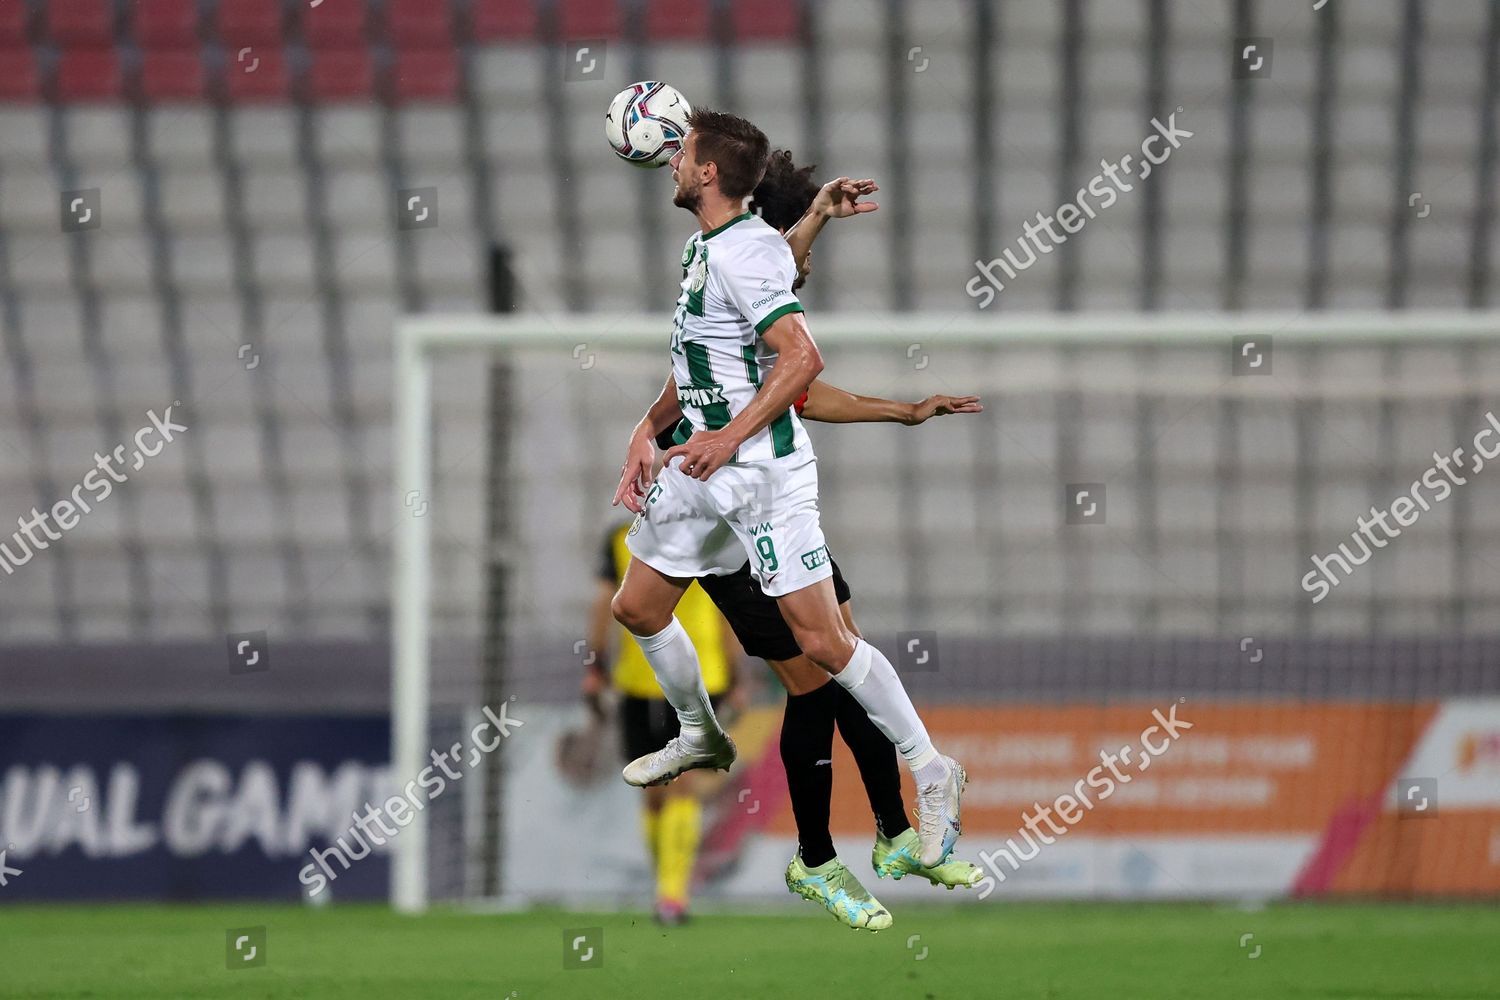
{"points": [[1155, 951]]}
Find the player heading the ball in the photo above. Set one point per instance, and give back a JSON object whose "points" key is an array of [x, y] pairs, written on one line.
{"points": [[742, 478]]}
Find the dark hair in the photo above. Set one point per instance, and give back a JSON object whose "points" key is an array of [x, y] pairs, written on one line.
{"points": [[784, 194], [738, 148]]}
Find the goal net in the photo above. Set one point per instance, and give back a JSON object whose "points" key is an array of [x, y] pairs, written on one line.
{"points": [[1131, 522]]}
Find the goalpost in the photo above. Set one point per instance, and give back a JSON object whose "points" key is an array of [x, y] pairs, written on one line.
{"points": [[1135, 361]]}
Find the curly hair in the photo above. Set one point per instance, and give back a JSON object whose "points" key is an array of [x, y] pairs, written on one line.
{"points": [[786, 191]]}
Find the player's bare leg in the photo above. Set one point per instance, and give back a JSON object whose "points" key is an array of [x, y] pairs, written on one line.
{"points": [[825, 638], [644, 605]]}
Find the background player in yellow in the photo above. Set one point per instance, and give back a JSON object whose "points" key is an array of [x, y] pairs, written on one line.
{"points": [[671, 815]]}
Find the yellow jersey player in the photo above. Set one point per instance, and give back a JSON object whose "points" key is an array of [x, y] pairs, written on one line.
{"points": [[671, 815]]}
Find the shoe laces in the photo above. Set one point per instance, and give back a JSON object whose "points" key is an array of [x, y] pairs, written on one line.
{"points": [[929, 807], [839, 881], [666, 753]]}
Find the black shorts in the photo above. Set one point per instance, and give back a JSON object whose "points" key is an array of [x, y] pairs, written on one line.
{"points": [[755, 618], [646, 724]]}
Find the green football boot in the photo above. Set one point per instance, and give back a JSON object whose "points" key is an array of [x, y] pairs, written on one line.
{"points": [[898, 858], [835, 888]]}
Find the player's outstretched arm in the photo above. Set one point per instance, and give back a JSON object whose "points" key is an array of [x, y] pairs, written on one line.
{"points": [[838, 199], [833, 405], [640, 454], [798, 362], [596, 674]]}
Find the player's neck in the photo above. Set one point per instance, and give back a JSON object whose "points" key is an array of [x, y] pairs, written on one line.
{"points": [[713, 215]]}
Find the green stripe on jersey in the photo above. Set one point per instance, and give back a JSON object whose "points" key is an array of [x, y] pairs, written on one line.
{"points": [[699, 269], [783, 435], [752, 366], [715, 415], [683, 432], [774, 315]]}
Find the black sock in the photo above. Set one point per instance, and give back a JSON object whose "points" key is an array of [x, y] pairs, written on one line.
{"points": [[876, 758], [806, 739]]}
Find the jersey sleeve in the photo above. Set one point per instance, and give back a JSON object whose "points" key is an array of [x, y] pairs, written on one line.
{"points": [[758, 282]]}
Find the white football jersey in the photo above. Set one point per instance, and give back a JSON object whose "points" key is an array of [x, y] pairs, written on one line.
{"points": [[737, 281]]}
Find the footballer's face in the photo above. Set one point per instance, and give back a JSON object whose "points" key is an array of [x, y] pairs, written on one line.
{"points": [[686, 174]]}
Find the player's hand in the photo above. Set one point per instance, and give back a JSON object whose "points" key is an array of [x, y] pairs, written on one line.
{"points": [[941, 406], [705, 453], [595, 683], [635, 474], [839, 198]]}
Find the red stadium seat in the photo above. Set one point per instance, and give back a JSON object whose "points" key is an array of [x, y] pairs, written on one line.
{"points": [[80, 22], [589, 19], [165, 22], [425, 75], [341, 75], [765, 20], [419, 22], [334, 24], [173, 75], [12, 24], [249, 22], [256, 73], [674, 20], [89, 75], [20, 79], [504, 20]]}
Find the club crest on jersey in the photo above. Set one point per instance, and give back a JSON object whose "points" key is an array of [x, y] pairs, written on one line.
{"points": [[688, 252], [700, 395], [700, 275]]}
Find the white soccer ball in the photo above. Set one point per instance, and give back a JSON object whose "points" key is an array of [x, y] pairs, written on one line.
{"points": [[646, 123]]}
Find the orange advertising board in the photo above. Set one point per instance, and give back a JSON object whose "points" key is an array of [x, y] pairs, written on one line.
{"points": [[1324, 775]]}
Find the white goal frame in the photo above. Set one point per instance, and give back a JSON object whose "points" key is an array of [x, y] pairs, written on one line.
{"points": [[419, 338]]}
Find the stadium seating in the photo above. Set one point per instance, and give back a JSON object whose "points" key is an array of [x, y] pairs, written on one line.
{"points": [[248, 153], [165, 22], [170, 75]]}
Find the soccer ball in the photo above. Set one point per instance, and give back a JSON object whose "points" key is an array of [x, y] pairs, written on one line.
{"points": [[646, 123]]}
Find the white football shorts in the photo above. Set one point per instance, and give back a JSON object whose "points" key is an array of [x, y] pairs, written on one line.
{"points": [[766, 510]]}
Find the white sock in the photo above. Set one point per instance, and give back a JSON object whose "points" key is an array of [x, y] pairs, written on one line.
{"points": [[675, 663], [871, 679]]}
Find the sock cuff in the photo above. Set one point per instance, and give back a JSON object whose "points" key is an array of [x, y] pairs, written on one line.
{"points": [[916, 758], [651, 643], [858, 667]]}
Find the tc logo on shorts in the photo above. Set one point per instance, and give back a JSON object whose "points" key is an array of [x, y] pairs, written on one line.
{"points": [[815, 558]]}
